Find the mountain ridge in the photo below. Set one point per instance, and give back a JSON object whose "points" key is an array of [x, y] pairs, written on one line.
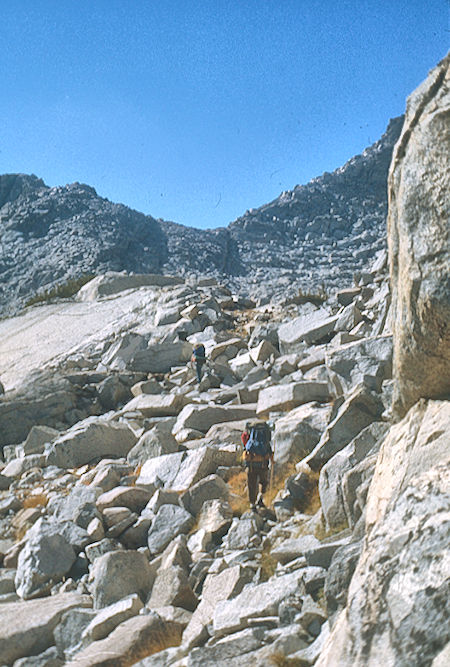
{"points": [[301, 239]]}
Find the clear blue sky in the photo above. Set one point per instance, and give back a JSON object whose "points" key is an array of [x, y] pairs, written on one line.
{"points": [[195, 110]]}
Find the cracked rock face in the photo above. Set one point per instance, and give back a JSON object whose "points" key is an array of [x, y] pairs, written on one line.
{"points": [[398, 599], [419, 244]]}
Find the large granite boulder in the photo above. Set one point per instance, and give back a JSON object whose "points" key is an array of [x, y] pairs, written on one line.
{"points": [[332, 473], [284, 397], [298, 432], [113, 282], [311, 327], [368, 361], [154, 405], [170, 521], [26, 628], [91, 439], [217, 587], [360, 409], [202, 417], [419, 246], [46, 557], [129, 642], [118, 574]]}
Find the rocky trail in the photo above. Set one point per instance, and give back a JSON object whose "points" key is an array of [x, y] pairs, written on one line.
{"points": [[126, 537]]}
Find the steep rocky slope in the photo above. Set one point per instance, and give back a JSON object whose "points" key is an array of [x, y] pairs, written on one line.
{"points": [[125, 535], [319, 233]]}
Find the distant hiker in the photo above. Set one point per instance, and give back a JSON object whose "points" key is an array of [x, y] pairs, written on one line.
{"points": [[198, 358], [257, 455]]}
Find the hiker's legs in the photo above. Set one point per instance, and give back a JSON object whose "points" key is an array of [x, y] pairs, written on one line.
{"points": [[252, 483], [198, 368], [263, 478]]}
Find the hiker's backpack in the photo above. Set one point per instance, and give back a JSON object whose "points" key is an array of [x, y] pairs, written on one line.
{"points": [[258, 444], [199, 352]]}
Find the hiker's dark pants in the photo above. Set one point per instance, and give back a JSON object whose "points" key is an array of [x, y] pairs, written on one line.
{"points": [[198, 367], [256, 475]]}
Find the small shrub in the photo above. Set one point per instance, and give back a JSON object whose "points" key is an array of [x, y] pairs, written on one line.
{"points": [[62, 291], [277, 480], [238, 493], [280, 660], [37, 500], [268, 564], [321, 533]]}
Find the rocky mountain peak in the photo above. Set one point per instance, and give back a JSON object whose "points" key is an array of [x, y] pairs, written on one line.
{"points": [[321, 233], [12, 186]]}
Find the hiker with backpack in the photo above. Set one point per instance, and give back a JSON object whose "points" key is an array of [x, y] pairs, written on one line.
{"points": [[257, 456], [198, 358]]}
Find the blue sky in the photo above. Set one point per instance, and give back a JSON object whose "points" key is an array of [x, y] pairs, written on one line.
{"points": [[195, 110]]}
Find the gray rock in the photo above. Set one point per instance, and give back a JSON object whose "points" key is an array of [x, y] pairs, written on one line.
{"points": [[46, 557], [9, 504], [359, 410], [7, 577], [332, 473], [89, 440], [155, 442], [26, 628], [160, 471], [68, 632], [208, 488], [355, 484], [37, 438], [199, 463], [118, 574], [130, 641], [310, 328], [120, 353], [169, 522], [292, 548], [348, 318], [234, 650], [418, 245], [242, 531], [17, 467], [117, 520], [135, 536], [202, 417], [132, 497], [110, 617], [347, 295], [48, 658], [79, 506], [255, 602], [112, 393], [100, 548], [340, 572], [322, 554], [285, 397], [400, 583], [217, 587], [368, 361], [215, 518], [160, 357], [5, 482], [172, 587], [298, 432], [156, 405], [113, 282], [162, 497]]}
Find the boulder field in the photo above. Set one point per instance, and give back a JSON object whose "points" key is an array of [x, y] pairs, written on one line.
{"points": [[126, 537]]}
